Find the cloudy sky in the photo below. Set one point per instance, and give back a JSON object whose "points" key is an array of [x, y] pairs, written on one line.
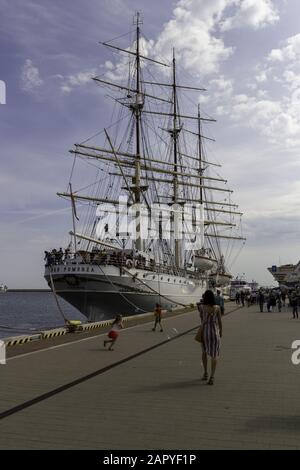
{"points": [[245, 52]]}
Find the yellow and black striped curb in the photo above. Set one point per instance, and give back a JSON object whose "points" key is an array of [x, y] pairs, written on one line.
{"points": [[53, 333], [92, 326], [14, 341]]}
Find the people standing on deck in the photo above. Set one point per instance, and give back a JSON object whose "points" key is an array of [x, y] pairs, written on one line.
{"points": [[113, 333], [60, 255], [220, 301], [157, 316], [261, 300], [47, 258], [211, 323]]}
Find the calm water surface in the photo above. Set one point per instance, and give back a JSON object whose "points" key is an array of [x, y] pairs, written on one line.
{"points": [[24, 312]]}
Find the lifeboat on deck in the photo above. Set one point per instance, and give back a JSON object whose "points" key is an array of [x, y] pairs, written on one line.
{"points": [[204, 263]]}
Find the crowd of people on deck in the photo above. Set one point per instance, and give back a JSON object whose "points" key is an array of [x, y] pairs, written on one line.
{"points": [[56, 256], [98, 256]]}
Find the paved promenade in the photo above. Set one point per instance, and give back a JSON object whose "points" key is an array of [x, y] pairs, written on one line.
{"points": [[147, 394]]}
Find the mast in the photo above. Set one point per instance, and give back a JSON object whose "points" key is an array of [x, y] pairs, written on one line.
{"points": [[175, 132], [200, 155], [73, 217], [137, 110], [201, 170]]}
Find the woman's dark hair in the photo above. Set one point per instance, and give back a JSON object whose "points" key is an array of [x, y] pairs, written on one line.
{"points": [[209, 298]]}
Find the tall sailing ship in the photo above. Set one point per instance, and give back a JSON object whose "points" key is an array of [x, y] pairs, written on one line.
{"points": [[158, 223]]}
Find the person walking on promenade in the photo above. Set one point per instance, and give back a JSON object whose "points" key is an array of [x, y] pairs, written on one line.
{"points": [[113, 333], [272, 302], [237, 298], [283, 297], [157, 315], [243, 298], [261, 300], [294, 305], [279, 302], [211, 323], [220, 302]]}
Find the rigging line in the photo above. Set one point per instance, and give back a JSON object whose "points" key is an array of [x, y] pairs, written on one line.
{"points": [[156, 134], [102, 132], [167, 144], [92, 184], [120, 167], [230, 252], [237, 255], [56, 298], [72, 171], [155, 291], [91, 211], [160, 58], [121, 36], [117, 290]]}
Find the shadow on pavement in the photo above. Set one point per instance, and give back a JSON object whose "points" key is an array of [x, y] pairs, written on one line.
{"points": [[274, 423]]}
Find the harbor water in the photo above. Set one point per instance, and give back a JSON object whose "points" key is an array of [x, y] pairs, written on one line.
{"points": [[25, 312]]}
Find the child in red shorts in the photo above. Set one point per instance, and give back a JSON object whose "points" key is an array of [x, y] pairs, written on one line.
{"points": [[114, 332]]}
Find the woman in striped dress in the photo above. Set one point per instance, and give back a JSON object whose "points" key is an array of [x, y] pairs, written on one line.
{"points": [[211, 322]]}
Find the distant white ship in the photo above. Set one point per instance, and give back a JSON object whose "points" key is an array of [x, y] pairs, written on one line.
{"points": [[239, 285]]}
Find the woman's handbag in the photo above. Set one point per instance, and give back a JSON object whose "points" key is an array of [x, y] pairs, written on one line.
{"points": [[199, 335]]}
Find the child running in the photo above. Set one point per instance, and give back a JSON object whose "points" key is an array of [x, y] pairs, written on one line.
{"points": [[114, 332]]}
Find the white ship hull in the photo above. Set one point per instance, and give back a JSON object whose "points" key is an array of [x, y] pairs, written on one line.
{"points": [[101, 292]]}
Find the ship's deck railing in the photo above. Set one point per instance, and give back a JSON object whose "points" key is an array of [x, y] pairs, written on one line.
{"points": [[118, 260]]}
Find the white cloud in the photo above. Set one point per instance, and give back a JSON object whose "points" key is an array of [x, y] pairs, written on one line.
{"points": [[275, 55], [194, 32], [221, 91], [291, 79], [251, 13], [76, 80], [289, 52], [261, 77], [30, 77], [224, 86], [277, 120], [191, 32]]}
